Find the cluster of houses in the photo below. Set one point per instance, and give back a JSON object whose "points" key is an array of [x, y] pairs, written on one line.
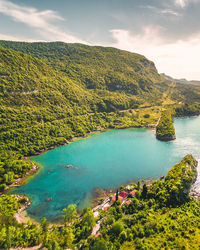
{"points": [[123, 196]]}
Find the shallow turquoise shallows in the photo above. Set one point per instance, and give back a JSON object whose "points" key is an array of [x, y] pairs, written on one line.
{"points": [[105, 160]]}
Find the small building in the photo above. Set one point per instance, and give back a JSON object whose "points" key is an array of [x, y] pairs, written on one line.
{"points": [[128, 202], [129, 187], [120, 198], [105, 208], [133, 193], [123, 194], [96, 214], [98, 234]]}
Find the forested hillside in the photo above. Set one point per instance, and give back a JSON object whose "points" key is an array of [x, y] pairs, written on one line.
{"points": [[42, 107], [107, 69], [95, 67], [165, 130], [52, 92]]}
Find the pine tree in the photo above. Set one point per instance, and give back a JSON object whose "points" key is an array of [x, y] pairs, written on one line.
{"points": [[117, 196]]}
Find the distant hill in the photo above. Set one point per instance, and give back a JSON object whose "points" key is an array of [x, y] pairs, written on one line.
{"points": [[181, 81]]}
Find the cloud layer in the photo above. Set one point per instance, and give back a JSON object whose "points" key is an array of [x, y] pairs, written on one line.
{"points": [[40, 21], [166, 32], [173, 58]]}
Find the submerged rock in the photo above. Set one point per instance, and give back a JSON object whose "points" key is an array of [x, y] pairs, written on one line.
{"points": [[69, 166], [48, 199]]}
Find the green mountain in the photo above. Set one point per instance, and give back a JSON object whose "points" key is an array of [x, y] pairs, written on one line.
{"points": [[69, 91], [108, 72], [52, 92], [42, 106], [95, 67]]}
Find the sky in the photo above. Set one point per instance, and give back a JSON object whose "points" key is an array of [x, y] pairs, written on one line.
{"points": [[165, 31]]}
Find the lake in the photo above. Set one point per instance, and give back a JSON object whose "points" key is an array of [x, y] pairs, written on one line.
{"points": [[105, 160]]}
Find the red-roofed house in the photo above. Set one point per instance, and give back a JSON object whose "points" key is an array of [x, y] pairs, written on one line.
{"points": [[106, 208], [128, 202], [133, 193], [120, 198], [123, 194]]}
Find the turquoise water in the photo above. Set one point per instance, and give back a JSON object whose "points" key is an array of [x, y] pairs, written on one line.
{"points": [[105, 160]]}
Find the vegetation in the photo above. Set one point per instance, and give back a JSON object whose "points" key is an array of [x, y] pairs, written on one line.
{"points": [[52, 92], [161, 215], [13, 234], [175, 188], [187, 110], [41, 106], [165, 129]]}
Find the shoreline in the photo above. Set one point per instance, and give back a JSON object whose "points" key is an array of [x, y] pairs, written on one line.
{"points": [[22, 216], [39, 152], [22, 180]]}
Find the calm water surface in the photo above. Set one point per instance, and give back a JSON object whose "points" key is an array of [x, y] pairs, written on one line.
{"points": [[105, 160]]}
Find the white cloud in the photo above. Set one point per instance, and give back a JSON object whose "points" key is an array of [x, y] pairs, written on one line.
{"points": [[181, 3], [17, 38], [149, 35], [41, 21], [184, 3], [178, 59], [170, 12], [162, 11]]}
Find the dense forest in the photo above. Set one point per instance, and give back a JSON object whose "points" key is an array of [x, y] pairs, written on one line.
{"points": [[52, 92]]}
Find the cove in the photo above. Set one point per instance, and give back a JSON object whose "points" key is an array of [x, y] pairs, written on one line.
{"points": [[105, 160]]}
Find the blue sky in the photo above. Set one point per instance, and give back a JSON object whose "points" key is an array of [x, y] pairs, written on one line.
{"points": [[165, 31]]}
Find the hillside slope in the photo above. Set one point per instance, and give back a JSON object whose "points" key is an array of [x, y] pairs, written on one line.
{"points": [[95, 67], [41, 106], [108, 71], [52, 92]]}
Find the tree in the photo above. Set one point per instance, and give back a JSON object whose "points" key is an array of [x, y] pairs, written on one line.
{"points": [[99, 244], [117, 196], [69, 213], [138, 185], [44, 224], [88, 218], [68, 237], [117, 228], [9, 236], [55, 245], [144, 191]]}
